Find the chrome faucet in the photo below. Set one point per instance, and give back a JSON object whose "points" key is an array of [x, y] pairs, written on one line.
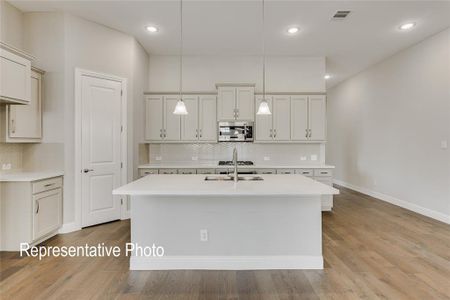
{"points": [[235, 163]]}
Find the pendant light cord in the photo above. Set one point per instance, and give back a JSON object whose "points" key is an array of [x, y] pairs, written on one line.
{"points": [[264, 53], [181, 49]]}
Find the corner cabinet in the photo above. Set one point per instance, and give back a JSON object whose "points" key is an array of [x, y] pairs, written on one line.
{"points": [[199, 125], [295, 118], [31, 212], [23, 123], [235, 102], [15, 72]]}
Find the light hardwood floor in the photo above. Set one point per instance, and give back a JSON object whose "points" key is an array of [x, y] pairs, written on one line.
{"points": [[372, 250]]}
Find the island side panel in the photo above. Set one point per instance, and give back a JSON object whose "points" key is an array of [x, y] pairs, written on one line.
{"points": [[251, 232]]}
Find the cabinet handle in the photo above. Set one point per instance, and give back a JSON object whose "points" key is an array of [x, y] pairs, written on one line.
{"points": [[48, 185], [310, 133], [196, 133], [271, 133], [306, 133], [13, 126], [37, 206], [201, 133], [88, 170]]}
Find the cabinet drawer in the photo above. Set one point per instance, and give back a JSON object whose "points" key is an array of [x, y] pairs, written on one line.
{"points": [[305, 172], [223, 171], [187, 171], [285, 171], [145, 172], [206, 171], [168, 171], [323, 172], [47, 185], [266, 171]]}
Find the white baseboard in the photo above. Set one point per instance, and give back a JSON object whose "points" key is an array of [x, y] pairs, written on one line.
{"points": [[402, 203], [226, 262], [69, 227]]}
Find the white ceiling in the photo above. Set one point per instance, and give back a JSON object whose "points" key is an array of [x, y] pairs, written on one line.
{"points": [[367, 36]]}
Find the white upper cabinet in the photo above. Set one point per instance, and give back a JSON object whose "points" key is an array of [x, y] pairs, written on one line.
{"points": [[264, 128], [281, 118], [172, 122], [235, 103], [226, 103], [189, 122], [317, 118], [154, 118], [207, 118], [299, 118], [15, 76], [23, 123], [245, 99]]}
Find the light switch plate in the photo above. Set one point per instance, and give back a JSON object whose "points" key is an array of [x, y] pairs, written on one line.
{"points": [[313, 157], [303, 158], [266, 158], [444, 144], [158, 158], [6, 166]]}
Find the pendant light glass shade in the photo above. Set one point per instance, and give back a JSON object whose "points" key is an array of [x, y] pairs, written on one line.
{"points": [[180, 108], [264, 108]]}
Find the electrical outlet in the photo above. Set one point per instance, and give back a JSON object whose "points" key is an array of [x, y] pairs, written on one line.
{"points": [[266, 158], [444, 144], [6, 166], [195, 158], [303, 158], [158, 158], [203, 235], [313, 157]]}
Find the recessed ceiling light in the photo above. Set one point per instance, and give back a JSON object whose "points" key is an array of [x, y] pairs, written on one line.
{"points": [[327, 76], [151, 29], [407, 26], [292, 30]]}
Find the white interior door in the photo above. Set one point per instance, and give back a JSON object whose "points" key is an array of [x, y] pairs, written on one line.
{"points": [[264, 122], [281, 118], [189, 122], [299, 118], [317, 117], [207, 118], [101, 149]]}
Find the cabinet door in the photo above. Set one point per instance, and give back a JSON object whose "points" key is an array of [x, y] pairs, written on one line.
{"points": [[281, 118], [47, 212], [226, 103], [208, 120], [264, 122], [189, 122], [245, 103], [299, 118], [172, 123], [15, 75], [317, 117], [25, 121], [153, 118]]}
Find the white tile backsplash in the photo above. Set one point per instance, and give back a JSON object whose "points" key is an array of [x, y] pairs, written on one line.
{"points": [[278, 153]]}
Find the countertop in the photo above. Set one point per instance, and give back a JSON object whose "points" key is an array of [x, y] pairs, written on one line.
{"points": [[195, 185], [215, 165], [24, 176]]}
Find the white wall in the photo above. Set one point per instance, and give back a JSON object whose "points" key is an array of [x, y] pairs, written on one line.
{"points": [[201, 73], [386, 124], [11, 25]]}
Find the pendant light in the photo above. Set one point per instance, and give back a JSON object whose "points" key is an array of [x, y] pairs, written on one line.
{"points": [[264, 108], [180, 108]]}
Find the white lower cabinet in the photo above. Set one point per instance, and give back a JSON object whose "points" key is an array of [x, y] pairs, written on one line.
{"points": [[31, 212]]}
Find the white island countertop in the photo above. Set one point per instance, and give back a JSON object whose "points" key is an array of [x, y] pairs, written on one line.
{"points": [[28, 176], [195, 185], [215, 165]]}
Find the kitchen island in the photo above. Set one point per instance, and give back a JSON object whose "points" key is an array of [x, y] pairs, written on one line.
{"points": [[273, 223]]}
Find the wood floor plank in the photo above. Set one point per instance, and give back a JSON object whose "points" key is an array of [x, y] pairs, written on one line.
{"points": [[372, 250]]}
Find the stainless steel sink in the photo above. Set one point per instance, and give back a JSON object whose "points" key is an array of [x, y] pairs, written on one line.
{"points": [[231, 178]]}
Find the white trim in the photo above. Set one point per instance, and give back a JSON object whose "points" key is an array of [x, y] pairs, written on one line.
{"points": [[226, 262], [69, 227], [398, 202], [77, 146]]}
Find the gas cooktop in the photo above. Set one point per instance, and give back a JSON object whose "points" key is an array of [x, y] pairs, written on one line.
{"points": [[240, 163]]}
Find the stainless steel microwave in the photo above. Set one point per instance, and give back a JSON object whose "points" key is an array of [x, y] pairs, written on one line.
{"points": [[239, 131]]}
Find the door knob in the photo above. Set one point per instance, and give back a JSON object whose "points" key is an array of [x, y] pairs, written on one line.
{"points": [[87, 170]]}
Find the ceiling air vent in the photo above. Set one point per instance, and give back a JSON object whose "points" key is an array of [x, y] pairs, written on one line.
{"points": [[340, 15]]}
